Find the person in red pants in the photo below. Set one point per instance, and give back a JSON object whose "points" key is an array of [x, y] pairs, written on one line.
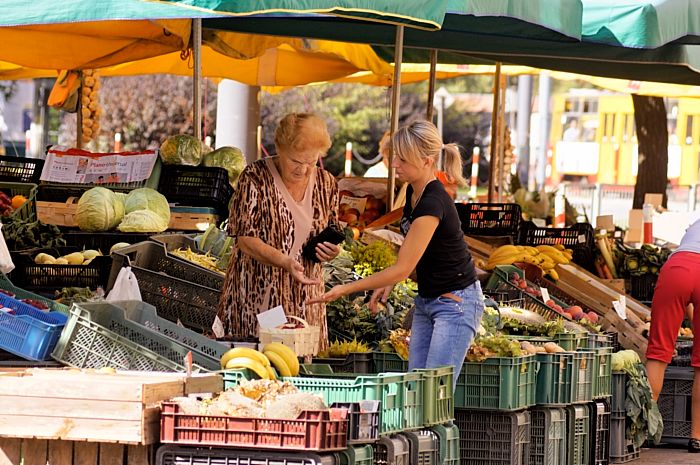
{"points": [[678, 286]]}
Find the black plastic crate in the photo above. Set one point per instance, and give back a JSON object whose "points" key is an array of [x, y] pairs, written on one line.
{"points": [[579, 237], [493, 437], [622, 450], [21, 169], [363, 420], [600, 431], [548, 437], [359, 363], [490, 219], [174, 286], [675, 403], [683, 353], [642, 286], [176, 241], [46, 279], [102, 241], [619, 393], [175, 455], [197, 186]]}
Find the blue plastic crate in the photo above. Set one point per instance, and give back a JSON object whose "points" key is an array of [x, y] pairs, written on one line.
{"points": [[29, 333]]}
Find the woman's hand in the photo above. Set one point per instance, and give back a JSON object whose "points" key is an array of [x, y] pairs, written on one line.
{"points": [[335, 293], [327, 251], [379, 295], [296, 269]]}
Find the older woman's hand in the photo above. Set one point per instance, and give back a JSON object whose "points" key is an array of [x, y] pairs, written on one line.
{"points": [[327, 251], [296, 269]]}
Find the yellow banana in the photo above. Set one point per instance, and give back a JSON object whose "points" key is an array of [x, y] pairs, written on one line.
{"points": [[559, 247], [555, 254], [244, 352], [546, 261], [553, 273], [249, 363], [504, 250], [287, 354], [278, 363], [271, 373]]}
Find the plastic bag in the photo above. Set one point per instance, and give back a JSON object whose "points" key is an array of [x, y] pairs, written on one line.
{"points": [[6, 264], [125, 287]]}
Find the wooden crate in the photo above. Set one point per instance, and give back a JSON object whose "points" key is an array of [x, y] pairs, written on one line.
{"points": [[58, 213], [192, 221], [87, 406], [16, 451]]}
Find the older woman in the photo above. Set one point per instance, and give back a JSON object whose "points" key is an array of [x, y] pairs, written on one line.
{"points": [[280, 203]]}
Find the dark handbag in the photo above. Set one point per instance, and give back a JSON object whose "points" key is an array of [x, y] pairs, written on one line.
{"points": [[332, 234]]}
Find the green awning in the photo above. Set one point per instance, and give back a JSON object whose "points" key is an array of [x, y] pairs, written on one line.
{"points": [[425, 14], [23, 13], [512, 20], [641, 24]]}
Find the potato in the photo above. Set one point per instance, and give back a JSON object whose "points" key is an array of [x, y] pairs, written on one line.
{"points": [[61, 261]]}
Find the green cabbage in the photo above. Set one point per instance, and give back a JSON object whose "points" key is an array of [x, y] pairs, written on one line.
{"points": [[229, 158], [143, 221], [99, 209], [147, 199], [181, 150]]}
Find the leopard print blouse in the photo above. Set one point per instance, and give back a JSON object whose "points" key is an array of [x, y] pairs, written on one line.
{"points": [[259, 210]]}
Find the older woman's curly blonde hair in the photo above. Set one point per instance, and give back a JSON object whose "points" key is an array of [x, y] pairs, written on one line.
{"points": [[302, 132]]}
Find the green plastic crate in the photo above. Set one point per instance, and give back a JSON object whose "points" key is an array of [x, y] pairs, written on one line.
{"points": [[571, 341], [602, 372], [499, 383], [555, 378], [20, 293], [356, 362], [389, 362], [356, 455], [438, 398], [583, 376], [27, 211], [86, 344], [449, 443], [578, 426], [233, 377], [401, 396], [323, 370]]}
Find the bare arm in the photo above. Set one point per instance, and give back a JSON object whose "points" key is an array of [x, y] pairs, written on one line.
{"points": [[269, 255], [411, 251]]}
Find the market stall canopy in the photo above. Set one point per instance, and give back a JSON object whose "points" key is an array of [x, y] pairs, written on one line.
{"points": [[426, 14], [75, 34], [265, 61], [511, 20], [641, 24]]}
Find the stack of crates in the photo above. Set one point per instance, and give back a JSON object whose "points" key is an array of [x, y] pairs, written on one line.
{"points": [[674, 404], [622, 450]]}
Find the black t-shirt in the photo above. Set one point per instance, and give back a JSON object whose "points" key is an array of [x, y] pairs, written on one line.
{"points": [[446, 265]]}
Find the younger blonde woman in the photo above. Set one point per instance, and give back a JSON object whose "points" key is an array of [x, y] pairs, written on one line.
{"points": [[449, 304]]}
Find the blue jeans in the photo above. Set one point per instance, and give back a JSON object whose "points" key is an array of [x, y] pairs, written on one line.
{"points": [[443, 329]]}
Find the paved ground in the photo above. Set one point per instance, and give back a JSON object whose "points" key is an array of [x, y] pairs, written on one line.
{"points": [[666, 456]]}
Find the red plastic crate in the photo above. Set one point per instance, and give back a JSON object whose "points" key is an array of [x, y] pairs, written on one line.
{"points": [[322, 430]]}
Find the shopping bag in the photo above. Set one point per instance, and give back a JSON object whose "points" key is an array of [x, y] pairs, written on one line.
{"points": [[126, 287], [6, 264]]}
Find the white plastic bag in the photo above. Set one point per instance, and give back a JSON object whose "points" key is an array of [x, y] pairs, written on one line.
{"points": [[6, 264], [125, 286]]}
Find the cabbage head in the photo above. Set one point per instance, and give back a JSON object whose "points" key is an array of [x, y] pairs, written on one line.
{"points": [[229, 158], [143, 221], [147, 199], [99, 209], [181, 150]]}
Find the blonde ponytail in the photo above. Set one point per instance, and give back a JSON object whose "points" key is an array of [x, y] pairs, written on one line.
{"points": [[453, 164]]}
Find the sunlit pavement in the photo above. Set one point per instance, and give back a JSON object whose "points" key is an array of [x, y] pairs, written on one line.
{"points": [[666, 456]]}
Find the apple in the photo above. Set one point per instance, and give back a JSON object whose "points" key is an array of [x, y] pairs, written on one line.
{"points": [[592, 317], [374, 203], [550, 303]]}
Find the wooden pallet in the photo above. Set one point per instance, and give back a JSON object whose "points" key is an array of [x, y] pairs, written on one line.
{"points": [[74, 405], [15, 451], [598, 295]]}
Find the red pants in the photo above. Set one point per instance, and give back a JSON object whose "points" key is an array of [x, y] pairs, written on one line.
{"points": [[677, 286]]}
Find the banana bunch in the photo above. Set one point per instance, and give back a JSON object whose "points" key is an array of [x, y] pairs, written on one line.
{"points": [[544, 256], [276, 355], [90, 106]]}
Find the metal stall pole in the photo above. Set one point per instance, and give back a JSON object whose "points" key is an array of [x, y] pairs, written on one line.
{"points": [[197, 77], [431, 85], [494, 132], [395, 98], [501, 136]]}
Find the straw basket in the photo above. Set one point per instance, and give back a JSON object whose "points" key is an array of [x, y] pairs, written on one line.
{"points": [[303, 341]]}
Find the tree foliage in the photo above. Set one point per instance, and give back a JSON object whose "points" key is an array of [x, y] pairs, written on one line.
{"points": [[652, 131]]}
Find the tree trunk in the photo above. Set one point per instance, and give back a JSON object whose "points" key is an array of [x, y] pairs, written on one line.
{"points": [[652, 135]]}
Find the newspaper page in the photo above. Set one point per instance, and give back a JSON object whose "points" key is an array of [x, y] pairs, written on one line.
{"points": [[63, 165]]}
